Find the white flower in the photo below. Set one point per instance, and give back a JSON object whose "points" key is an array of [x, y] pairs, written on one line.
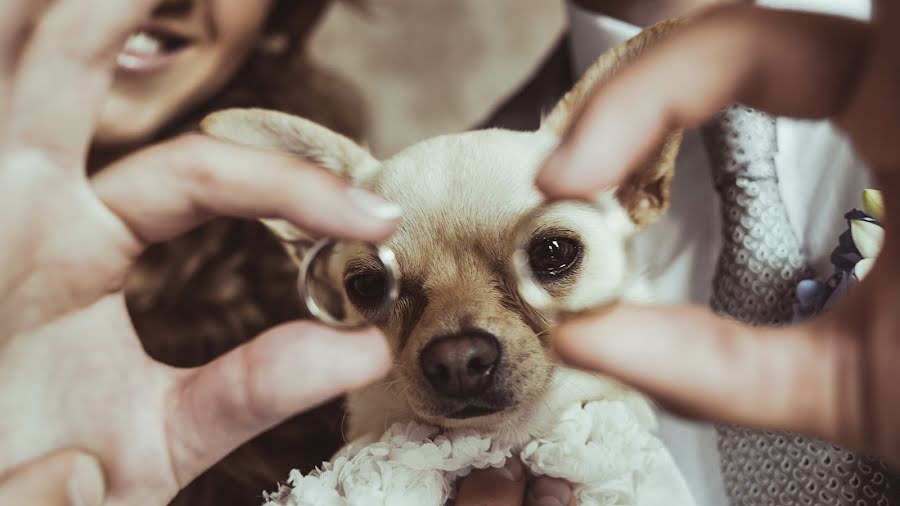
{"points": [[862, 268], [873, 204], [868, 238]]}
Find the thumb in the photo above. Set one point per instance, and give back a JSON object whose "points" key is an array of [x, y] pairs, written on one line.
{"points": [[66, 478], [287, 369], [709, 367]]}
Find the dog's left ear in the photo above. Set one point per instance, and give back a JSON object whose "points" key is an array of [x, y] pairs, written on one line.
{"points": [[299, 137], [644, 194]]}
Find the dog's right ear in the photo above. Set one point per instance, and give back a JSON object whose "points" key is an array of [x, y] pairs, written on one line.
{"points": [[644, 194], [302, 138]]}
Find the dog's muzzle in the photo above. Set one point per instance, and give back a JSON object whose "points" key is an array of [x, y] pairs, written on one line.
{"points": [[460, 368]]}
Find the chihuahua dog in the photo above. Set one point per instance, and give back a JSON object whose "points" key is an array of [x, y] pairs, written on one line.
{"points": [[468, 350]]}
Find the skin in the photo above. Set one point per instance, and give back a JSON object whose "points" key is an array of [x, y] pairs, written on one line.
{"points": [[66, 343], [222, 34], [510, 485], [69, 240], [59, 479], [835, 377]]}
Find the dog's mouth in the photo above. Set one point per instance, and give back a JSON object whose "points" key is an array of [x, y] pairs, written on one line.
{"points": [[494, 403], [474, 411]]}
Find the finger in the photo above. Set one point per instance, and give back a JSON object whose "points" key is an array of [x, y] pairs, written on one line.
{"points": [[67, 478], [64, 72], [170, 188], [771, 60], [503, 486], [284, 371], [547, 491], [873, 114], [712, 368], [14, 23]]}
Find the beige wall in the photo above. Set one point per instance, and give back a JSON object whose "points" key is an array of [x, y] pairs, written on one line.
{"points": [[434, 66]]}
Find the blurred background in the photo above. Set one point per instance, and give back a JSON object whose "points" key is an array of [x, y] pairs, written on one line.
{"points": [[426, 67]]}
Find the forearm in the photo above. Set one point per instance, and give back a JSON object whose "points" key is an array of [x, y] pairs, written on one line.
{"points": [[648, 12]]}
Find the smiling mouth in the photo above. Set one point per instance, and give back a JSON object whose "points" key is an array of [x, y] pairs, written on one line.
{"points": [[150, 49], [472, 411]]}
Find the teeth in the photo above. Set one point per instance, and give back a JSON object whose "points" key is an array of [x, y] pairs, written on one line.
{"points": [[143, 44]]}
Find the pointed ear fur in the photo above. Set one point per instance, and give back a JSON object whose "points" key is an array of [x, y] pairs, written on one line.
{"points": [[295, 135], [300, 137], [645, 193]]}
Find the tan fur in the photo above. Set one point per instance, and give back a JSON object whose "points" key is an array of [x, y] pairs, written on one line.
{"points": [[463, 196], [294, 135]]}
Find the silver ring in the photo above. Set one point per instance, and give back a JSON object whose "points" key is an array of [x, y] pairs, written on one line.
{"points": [[529, 287], [391, 271]]}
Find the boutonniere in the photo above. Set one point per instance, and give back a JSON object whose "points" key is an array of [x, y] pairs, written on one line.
{"points": [[852, 259], [867, 232]]}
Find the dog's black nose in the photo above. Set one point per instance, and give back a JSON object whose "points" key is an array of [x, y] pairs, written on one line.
{"points": [[461, 365]]}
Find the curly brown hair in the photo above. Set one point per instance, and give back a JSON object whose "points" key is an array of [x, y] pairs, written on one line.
{"points": [[201, 295]]}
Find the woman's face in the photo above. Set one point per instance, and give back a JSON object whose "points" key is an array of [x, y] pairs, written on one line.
{"points": [[185, 52]]}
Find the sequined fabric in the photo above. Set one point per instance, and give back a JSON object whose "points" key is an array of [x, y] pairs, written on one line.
{"points": [[759, 268], [761, 261]]}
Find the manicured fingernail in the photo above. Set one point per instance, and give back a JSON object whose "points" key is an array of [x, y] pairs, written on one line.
{"points": [[374, 205], [564, 174], [86, 484], [552, 175], [513, 470], [550, 492]]}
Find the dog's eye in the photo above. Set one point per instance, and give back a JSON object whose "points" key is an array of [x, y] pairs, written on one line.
{"points": [[366, 290], [553, 256]]}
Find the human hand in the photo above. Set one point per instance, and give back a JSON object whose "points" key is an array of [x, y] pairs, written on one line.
{"points": [[72, 370], [835, 377], [509, 486], [66, 478]]}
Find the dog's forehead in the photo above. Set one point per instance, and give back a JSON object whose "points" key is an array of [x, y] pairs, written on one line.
{"points": [[463, 193], [481, 176], [469, 165]]}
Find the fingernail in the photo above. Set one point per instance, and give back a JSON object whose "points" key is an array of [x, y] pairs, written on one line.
{"points": [[513, 470], [374, 205], [565, 175], [552, 173], [86, 485], [550, 492]]}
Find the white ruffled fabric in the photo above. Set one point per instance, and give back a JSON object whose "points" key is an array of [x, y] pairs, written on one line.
{"points": [[601, 447]]}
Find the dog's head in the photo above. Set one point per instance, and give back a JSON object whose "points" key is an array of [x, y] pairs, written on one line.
{"points": [[468, 350]]}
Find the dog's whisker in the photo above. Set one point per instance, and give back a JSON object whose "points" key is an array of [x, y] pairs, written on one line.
{"points": [[391, 384], [344, 425]]}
